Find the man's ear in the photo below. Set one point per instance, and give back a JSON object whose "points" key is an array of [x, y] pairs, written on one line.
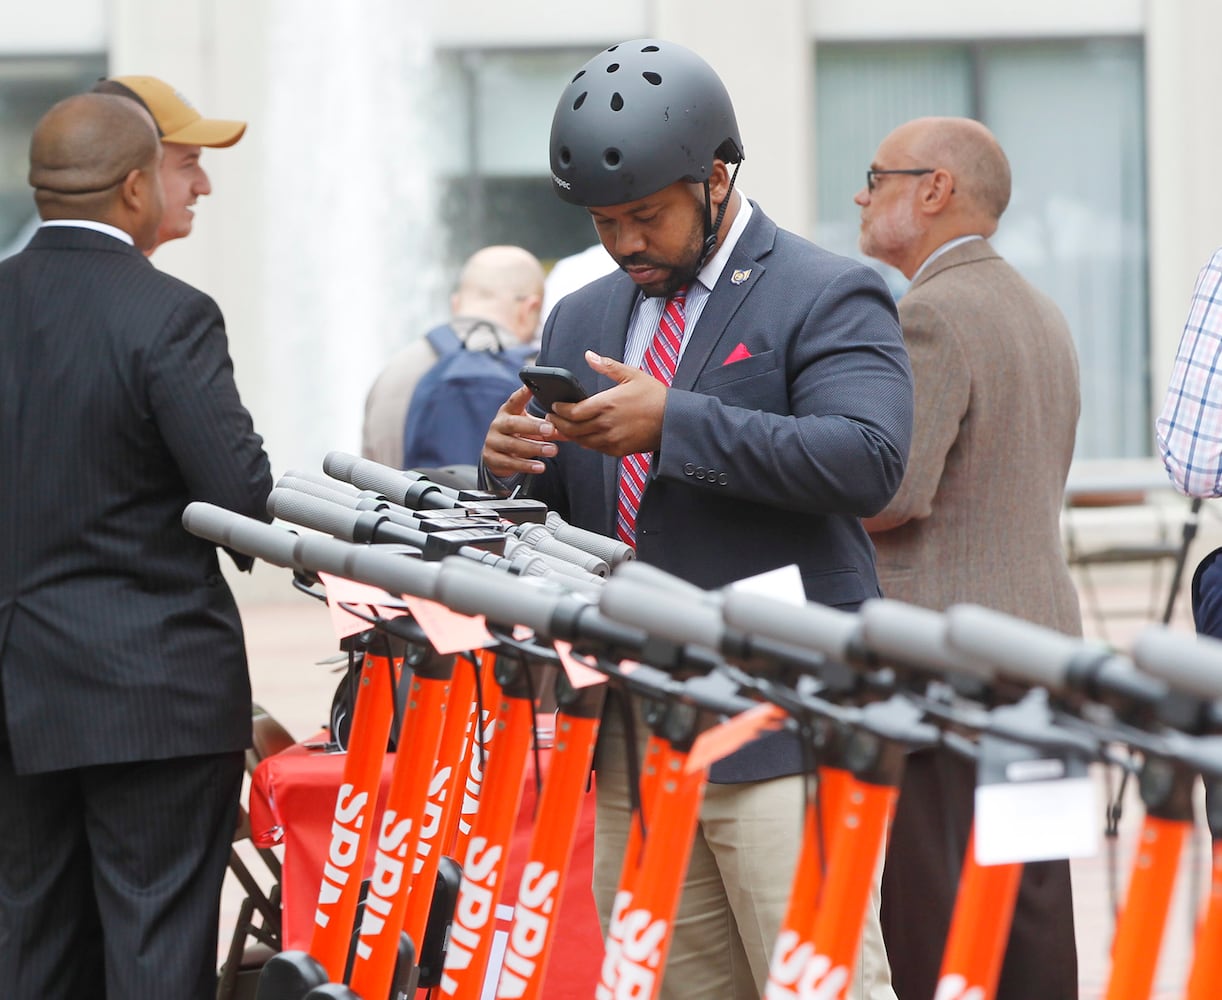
{"points": [[719, 182], [135, 190], [529, 308], [936, 192]]}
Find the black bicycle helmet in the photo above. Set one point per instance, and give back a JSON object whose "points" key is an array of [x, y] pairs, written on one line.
{"points": [[638, 117]]}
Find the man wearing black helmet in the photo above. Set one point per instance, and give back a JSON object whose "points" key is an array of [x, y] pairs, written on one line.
{"points": [[763, 404]]}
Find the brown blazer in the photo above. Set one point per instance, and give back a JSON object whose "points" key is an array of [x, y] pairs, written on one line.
{"points": [[977, 518]]}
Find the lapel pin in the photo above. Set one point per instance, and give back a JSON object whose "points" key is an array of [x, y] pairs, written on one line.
{"points": [[738, 277]]}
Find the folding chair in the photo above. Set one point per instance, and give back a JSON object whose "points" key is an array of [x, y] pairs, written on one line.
{"points": [[256, 932], [1135, 528]]}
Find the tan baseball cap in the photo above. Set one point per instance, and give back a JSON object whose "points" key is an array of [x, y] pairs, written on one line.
{"points": [[176, 119]]}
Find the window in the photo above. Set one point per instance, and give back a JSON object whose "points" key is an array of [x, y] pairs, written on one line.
{"points": [[495, 111], [28, 88], [1071, 117]]}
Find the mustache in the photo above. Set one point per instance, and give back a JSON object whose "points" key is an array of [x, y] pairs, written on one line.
{"points": [[640, 260]]}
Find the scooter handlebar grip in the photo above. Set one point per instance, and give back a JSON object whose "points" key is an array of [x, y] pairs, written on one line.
{"points": [[243, 534], [911, 636], [645, 575], [313, 488], [313, 512], [317, 477], [611, 550], [531, 564], [549, 545], [666, 614], [395, 572], [1020, 650], [473, 589], [1187, 662], [393, 484], [807, 626]]}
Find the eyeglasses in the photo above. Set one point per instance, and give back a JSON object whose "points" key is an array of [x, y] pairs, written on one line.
{"points": [[871, 175]]}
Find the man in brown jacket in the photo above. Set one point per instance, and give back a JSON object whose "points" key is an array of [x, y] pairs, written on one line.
{"points": [[977, 517]]}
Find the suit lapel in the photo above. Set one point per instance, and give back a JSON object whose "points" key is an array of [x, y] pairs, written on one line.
{"points": [[740, 275], [612, 330], [738, 278], [612, 336]]}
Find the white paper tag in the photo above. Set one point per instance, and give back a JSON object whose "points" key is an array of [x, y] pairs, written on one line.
{"points": [[783, 584], [1036, 820]]}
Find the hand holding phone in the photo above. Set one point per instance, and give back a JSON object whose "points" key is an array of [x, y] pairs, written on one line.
{"points": [[551, 386]]}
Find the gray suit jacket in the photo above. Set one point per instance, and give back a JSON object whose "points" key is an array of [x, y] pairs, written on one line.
{"points": [[119, 638], [978, 515], [765, 461]]}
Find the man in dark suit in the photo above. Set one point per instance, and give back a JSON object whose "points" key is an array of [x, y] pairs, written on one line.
{"points": [[786, 418], [124, 695]]}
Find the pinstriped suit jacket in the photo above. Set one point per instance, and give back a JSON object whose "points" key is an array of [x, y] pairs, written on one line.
{"points": [[119, 638]]}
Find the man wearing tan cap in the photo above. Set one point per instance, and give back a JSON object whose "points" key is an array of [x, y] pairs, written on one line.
{"points": [[183, 132]]}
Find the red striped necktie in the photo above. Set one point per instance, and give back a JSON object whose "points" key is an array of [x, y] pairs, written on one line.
{"points": [[661, 360]]}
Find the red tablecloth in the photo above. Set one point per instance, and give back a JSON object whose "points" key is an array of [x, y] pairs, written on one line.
{"points": [[292, 800]]}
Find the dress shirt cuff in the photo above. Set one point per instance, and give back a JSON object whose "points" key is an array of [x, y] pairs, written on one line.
{"points": [[495, 484]]}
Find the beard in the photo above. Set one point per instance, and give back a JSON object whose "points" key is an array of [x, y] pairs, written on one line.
{"points": [[677, 271], [887, 236]]}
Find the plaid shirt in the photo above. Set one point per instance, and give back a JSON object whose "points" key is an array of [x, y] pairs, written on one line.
{"points": [[1189, 429]]}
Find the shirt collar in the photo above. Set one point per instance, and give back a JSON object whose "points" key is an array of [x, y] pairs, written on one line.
{"points": [[716, 264], [97, 227], [948, 245]]}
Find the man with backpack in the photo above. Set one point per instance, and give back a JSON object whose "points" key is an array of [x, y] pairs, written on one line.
{"points": [[455, 377]]}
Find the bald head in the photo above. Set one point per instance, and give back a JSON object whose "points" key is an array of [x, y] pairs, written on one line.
{"points": [[95, 156], [973, 156], [86, 145], [502, 284], [932, 180]]}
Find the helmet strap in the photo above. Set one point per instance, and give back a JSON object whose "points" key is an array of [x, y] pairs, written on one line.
{"points": [[711, 225]]}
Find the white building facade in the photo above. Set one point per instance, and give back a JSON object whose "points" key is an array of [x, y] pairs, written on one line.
{"points": [[388, 139]]}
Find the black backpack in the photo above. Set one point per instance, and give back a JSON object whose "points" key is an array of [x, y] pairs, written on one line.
{"points": [[455, 401]]}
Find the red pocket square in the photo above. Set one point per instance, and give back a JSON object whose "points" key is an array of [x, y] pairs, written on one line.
{"points": [[740, 353]]}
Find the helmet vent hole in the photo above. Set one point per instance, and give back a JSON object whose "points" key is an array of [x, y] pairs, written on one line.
{"points": [[613, 48], [581, 99], [617, 102], [650, 48], [654, 78], [566, 156], [611, 158], [613, 68], [580, 74]]}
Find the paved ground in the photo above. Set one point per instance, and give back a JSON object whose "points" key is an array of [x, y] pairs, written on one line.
{"points": [[288, 636]]}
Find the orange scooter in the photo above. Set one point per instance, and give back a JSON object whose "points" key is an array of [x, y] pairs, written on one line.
{"points": [[487, 852]]}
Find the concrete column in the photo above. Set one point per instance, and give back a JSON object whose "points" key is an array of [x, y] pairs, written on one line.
{"points": [[214, 53], [1184, 78], [765, 58]]}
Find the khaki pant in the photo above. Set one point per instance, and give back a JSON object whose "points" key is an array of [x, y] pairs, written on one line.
{"points": [[737, 886]]}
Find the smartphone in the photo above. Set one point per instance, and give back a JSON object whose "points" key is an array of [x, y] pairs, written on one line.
{"points": [[551, 385]]}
